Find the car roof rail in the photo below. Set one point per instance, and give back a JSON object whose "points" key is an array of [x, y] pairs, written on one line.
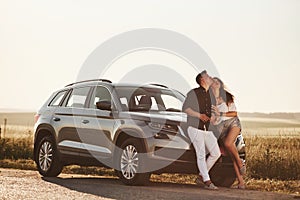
{"points": [[160, 85], [91, 80]]}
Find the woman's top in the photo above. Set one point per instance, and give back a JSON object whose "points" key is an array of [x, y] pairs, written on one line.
{"points": [[222, 107]]}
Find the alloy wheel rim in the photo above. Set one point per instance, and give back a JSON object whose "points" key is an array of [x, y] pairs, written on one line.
{"points": [[45, 156], [129, 162]]}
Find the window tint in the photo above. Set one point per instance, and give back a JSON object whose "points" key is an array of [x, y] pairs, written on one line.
{"points": [[57, 99], [135, 99], [78, 97], [100, 94]]}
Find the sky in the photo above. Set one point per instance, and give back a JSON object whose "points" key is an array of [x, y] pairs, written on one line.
{"points": [[255, 46]]}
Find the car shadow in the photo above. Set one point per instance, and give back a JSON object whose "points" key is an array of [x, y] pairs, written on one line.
{"points": [[115, 189]]}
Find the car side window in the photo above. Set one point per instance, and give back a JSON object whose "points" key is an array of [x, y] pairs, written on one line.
{"points": [[140, 99], [78, 97], [58, 98], [100, 94]]}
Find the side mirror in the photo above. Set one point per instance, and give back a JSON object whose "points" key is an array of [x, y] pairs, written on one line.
{"points": [[104, 105]]}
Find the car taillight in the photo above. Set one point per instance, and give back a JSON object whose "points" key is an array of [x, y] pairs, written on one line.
{"points": [[36, 117]]}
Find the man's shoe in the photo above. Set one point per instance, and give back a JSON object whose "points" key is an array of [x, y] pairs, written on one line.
{"points": [[199, 181], [211, 186]]}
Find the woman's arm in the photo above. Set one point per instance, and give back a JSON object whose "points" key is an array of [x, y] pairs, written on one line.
{"points": [[232, 112], [229, 114]]}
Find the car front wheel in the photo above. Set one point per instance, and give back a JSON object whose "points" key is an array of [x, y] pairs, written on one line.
{"points": [[130, 161]]}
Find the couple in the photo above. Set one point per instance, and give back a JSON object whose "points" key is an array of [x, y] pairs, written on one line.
{"points": [[211, 107]]}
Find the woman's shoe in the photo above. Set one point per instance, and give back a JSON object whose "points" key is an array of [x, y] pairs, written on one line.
{"points": [[243, 169], [241, 187]]}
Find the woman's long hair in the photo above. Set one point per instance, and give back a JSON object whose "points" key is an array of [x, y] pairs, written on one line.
{"points": [[226, 96]]}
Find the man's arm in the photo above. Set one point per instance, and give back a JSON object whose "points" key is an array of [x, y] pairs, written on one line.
{"points": [[202, 117], [189, 105]]}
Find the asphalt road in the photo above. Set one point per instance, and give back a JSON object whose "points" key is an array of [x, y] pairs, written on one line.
{"points": [[24, 184]]}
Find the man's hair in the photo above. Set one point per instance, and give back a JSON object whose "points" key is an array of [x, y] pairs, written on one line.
{"points": [[200, 75]]}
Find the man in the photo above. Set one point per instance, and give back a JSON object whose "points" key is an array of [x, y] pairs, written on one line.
{"points": [[197, 105]]}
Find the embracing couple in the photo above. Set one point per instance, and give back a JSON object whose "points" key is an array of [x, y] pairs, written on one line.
{"points": [[211, 111]]}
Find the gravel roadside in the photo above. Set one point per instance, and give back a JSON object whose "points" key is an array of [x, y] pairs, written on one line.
{"points": [[25, 184]]}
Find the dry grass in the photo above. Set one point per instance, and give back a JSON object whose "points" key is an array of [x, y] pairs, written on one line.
{"points": [[274, 158]]}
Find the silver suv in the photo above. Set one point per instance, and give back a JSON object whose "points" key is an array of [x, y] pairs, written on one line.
{"points": [[137, 130]]}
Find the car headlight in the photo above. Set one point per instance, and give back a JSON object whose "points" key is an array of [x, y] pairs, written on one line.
{"points": [[163, 130], [164, 127]]}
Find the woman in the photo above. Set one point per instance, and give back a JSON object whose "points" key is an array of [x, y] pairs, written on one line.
{"points": [[228, 123]]}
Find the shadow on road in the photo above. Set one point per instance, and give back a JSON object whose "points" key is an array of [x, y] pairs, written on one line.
{"points": [[113, 188]]}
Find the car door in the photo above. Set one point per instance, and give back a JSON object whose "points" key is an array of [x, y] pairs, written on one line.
{"points": [[68, 120], [99, 124]]}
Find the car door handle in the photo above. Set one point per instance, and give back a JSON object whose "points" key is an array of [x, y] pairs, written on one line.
{"points": [[56, 119], [85, 121]]}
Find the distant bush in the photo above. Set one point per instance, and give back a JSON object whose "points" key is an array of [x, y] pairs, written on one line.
{"points": [[19, 148]]}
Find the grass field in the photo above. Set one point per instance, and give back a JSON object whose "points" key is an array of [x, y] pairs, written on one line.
{"points": [[272, 149], [15, 118]]}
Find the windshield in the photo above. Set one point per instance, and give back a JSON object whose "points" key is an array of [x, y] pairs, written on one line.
{"points": [[149, 99]]}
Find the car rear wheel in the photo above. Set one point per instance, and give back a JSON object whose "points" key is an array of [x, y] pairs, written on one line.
{"points": [[130, 163], [47, 158]]}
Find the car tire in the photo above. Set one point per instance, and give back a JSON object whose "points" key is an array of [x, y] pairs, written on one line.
{"points": [[47, 158], [130, 162]]}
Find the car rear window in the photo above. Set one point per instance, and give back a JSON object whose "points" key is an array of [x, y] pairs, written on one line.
{"points": [[78, 97], [56, 101]]}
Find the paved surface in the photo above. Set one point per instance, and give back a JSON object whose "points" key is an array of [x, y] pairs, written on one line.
{"points": [[23, 184]]}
